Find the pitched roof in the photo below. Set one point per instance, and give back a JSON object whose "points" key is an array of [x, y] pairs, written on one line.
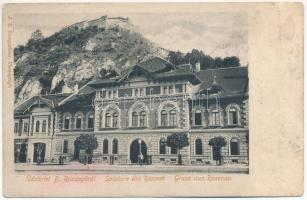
{"points": [[234, 80], [186, 67], [79, 99], [51, 100], [155, 68], [56, 98], [156, 64], [84, 91]]}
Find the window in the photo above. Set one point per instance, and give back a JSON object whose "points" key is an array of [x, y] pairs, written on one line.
{"points": [[115, 120], [44, 124], [65, 146], [108, 120], [215, 117], [20, 127], [25, 127], [162, 146], [142, 118], [78, 122], [173, 150], [173, 118], [90, 122], [16, 127], [233, 116], [114, 93], [105, 146], [234, 147], [178, 89], [136, 92], [134, 119], [142, 92], [198, 147], [66, 122], [37, 126], [171, 89], [163, 118], [198, 118], [165, 90], [115, 146], [110, 94], [99, 94]]}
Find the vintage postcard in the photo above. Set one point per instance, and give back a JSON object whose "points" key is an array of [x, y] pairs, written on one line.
{"points": [[153, 99]]}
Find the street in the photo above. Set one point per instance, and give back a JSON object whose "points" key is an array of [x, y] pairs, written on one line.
{"points": [[114, 169]]}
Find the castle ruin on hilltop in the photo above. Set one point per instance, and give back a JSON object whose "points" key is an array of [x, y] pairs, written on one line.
{"points": [[103, 22]]}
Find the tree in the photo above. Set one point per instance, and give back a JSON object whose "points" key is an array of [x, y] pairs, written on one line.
{"points": [[87, 142], [35, 41], [218, 62], [217, 143], [176, 58], [178, 141], [232, 61], [206, 61], [37, 35]]}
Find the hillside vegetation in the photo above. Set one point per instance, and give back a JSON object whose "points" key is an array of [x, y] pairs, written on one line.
{"points": [[78, 53]]}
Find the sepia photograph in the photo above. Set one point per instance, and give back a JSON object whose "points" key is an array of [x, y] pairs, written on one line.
{"points": [[152, 99], [109, 93]]}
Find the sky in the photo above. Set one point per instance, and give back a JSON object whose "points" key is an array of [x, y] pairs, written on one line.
{"points": [[218, 34]]}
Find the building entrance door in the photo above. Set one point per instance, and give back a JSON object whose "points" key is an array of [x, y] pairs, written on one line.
{"points": [[137, 147], [39, 152]]}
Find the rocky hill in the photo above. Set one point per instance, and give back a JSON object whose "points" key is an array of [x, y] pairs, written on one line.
{"points": [[78, 53]]}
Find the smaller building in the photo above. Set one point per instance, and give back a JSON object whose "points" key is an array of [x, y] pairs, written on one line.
{"points": [[34, 128]]}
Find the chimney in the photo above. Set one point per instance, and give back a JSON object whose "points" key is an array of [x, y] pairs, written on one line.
{"points": [[76, 88], [197, 66]]}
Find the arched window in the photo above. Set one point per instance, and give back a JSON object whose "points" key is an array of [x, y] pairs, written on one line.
{"points": [[105, 146], [142, 119], [44, 126], [90, 121], [198, 147], [172, 118], [134, 119], [198, 118], [110, 117], [215, 117], [78, 122], [108, 120], [234, 147], [163, 118], [115, 120], [66, 122], [233, 116], [65, 146], [162, 146], [37, 126], [115, 146]]}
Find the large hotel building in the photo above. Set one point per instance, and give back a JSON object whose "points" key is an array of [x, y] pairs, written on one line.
{"points": [[136, 111]]}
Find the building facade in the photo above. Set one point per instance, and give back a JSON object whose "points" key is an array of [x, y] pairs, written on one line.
{"points": [[135, 112]]}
